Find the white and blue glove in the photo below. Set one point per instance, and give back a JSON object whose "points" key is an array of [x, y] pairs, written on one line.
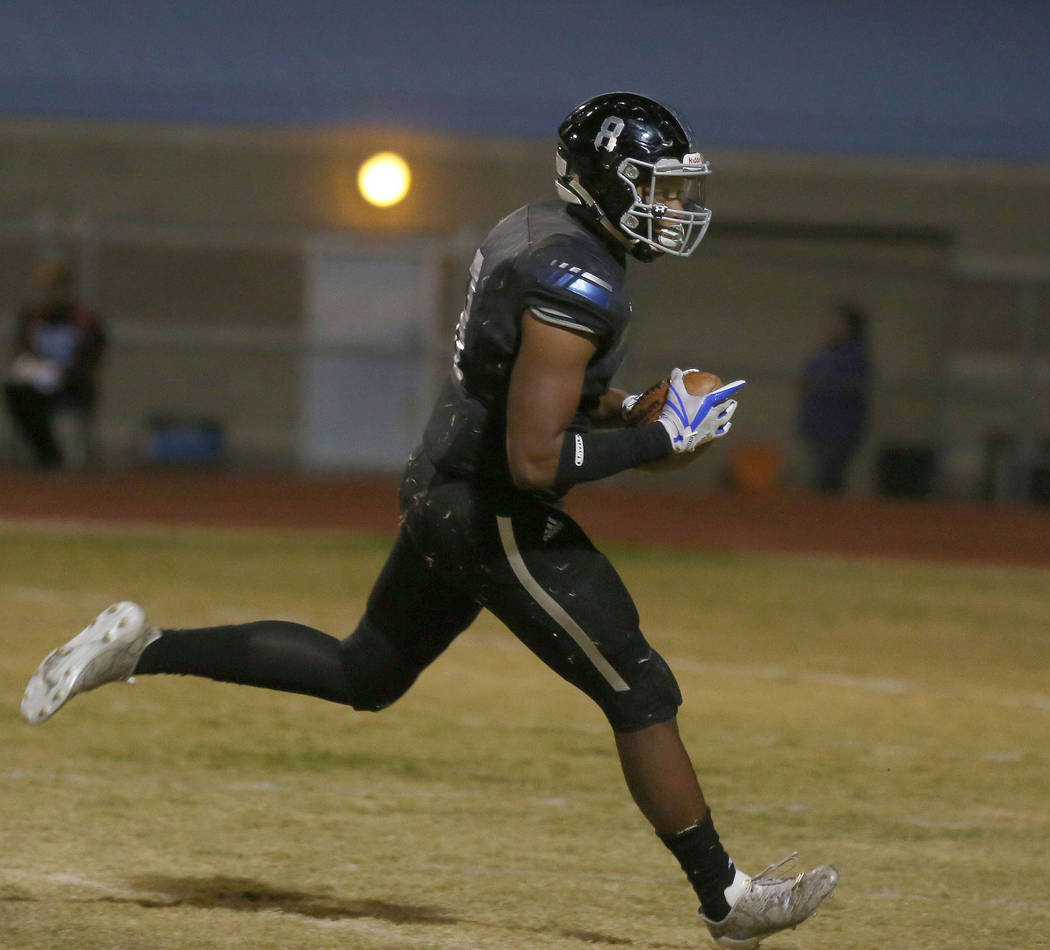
{"points": [[691, 420]]}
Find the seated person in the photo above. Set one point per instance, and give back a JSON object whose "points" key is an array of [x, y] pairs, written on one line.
{"points": [[58, 346]]}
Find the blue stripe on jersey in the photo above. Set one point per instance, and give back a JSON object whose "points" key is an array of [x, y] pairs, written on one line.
{"points": [[577, 283]]}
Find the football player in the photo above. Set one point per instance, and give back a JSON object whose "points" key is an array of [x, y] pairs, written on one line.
{"points": [[526, 413]]}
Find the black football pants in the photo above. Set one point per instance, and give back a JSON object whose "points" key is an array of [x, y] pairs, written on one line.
{"points": [[460, 548]]}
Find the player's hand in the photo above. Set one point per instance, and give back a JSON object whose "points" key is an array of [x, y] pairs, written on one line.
{"points": [[691, 420], [639, 408], [628, 404]]}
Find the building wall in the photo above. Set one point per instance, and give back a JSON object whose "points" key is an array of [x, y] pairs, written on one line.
{"points": [[192, 242]]}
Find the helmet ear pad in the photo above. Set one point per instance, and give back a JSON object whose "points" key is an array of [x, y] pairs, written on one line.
{"points": [[610, 192], [572, 191], [594, 181]]}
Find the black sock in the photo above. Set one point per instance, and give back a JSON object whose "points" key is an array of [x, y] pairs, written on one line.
{"points": [[709, 869]]}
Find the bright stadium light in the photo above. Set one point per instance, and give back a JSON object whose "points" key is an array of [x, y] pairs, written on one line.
{"points": [[384, 179]]}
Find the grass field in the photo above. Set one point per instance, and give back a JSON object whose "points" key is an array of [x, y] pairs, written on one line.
{"points": [[889, 717]]}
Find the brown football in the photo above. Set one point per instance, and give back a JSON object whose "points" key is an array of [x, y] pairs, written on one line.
{"points": [[649, 404]]}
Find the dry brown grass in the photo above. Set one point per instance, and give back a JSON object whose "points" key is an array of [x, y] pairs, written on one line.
{"points": [[889, 717]]}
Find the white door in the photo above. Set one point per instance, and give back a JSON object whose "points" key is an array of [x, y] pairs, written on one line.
{"points": [[367, 377]]}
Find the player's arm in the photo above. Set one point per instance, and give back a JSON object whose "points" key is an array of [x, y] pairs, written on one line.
{"points": [[609, 412], [545, 388], [542, 401]]}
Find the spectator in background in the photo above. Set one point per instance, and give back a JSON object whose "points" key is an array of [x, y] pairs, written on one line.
{"points": [[834, 404], [58, 346]]}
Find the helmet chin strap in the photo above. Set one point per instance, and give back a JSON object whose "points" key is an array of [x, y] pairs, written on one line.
{"points": [[567, 194], [626, 241]]}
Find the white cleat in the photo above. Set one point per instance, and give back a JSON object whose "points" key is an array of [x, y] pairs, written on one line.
{"points": [[770, 904], [103, 652]]}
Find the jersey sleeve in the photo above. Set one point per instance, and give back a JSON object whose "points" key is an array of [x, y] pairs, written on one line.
{"points": [[568, 288]]}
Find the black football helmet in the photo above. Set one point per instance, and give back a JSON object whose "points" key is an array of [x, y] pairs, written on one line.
{"points": [[626, 158]]}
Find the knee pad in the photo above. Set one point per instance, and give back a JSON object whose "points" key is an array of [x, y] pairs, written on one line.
{"points": [[376, 672], [653, 697]]}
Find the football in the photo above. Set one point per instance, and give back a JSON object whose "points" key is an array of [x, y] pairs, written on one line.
{"points": [[649, 404]]}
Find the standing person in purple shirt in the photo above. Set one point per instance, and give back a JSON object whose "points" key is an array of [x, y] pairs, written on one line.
{"points": [[834, 405]]}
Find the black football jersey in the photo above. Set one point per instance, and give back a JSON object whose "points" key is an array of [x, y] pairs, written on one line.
{"points": [[540, 258]]}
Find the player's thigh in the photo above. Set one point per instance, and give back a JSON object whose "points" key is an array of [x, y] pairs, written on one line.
{"points": [[567, 603], [418, 612]]}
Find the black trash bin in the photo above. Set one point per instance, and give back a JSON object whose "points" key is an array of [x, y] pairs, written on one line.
{"points": [[906, 471]]}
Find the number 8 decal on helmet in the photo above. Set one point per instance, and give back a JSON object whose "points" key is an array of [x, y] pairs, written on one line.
{"points": [[609, 133]]}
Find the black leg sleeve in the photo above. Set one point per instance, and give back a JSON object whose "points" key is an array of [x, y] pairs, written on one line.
{"points": [[273, 654], [411, 617]]}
